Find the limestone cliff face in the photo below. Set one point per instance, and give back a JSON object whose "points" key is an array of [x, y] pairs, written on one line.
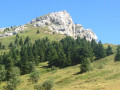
{"points": [[59, 22], [87, 33]]}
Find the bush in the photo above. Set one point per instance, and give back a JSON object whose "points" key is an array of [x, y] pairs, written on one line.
{"points": [[2, 73], [47, 85], [54, 68], [85, 65], [14, 80], [34, 77], [37, 32], [12, 84]]}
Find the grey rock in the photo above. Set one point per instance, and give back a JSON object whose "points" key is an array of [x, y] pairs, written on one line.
{"points": [[58, 22], [61, 22]]}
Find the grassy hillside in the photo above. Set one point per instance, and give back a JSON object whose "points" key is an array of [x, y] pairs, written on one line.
{"points": [[104, 76], [114, 47], [31, 32]]}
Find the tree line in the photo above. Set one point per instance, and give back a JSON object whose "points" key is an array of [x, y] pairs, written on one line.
{"points": [[25, 55]]}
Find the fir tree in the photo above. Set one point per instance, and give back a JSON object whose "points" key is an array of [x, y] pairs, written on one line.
{"points": [[11, 44], [21, 42], [117, 57], [100, 51], [27, 40], [85, 65], [109, 51], [9, 65]]}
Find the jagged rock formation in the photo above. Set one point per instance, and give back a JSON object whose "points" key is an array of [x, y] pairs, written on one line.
{"points": [[61, 22]]}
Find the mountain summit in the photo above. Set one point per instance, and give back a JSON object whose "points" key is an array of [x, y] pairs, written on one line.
{"points": [[59, 22]]}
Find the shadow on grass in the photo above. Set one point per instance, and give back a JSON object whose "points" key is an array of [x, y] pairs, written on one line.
{"points": [[78, 73]]}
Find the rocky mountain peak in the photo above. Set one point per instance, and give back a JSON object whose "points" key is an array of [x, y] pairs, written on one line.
{"points": [[61, 22]]}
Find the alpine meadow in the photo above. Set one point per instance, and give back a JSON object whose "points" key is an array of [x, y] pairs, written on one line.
{"points": [[51, 52]]}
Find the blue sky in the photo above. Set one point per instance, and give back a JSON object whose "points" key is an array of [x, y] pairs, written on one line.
{"points": [[102, 16]]}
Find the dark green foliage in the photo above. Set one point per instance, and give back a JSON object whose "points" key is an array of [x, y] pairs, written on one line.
{"points": [[117, 57], [14, 81], [27, 65], [38, 31], [61, 59], [54, 58], [0, 45], [100, 51], [27, 40], [68, 59], [109, 51], [85, 65], [2, 73], [34, 77], [47, 85], [11, 44], [17, 36], [21, 42], [66, 52], [41, 55], [17, 41], [9, 65]]}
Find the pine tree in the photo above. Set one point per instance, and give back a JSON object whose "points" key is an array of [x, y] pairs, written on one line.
{"points": [[100, 51], [61, 58], [24, 60], [30, 53], [41, 54], [54, 59], [11, 44], [17, 36], [37, 32], [17, 41], [27, 40], [35, 54], [85, 65], [68, 60], [21, 42], [9, 65], [117, 57], [109, 51]]}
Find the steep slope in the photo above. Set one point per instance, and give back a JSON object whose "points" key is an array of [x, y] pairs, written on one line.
{"points": [[104, 76], [58, 22]]}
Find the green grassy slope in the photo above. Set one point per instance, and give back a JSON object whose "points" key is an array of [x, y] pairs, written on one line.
{"points": [[104, 76], [31, 32]]}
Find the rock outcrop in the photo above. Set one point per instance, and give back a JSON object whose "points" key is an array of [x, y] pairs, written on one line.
{"points": [[60, 22]]}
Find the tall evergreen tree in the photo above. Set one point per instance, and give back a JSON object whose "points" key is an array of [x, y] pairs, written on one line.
{"points": [[53, 59], [27, 40], [42, 56], [9, 65], [24, 60], [21, 42], [117, 57], [68, 59], [109, 51], [85, 65], [100, 51]]}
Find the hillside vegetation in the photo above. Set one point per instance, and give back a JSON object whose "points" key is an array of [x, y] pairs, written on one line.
{"points": [[70, 64], [104, 76]]}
